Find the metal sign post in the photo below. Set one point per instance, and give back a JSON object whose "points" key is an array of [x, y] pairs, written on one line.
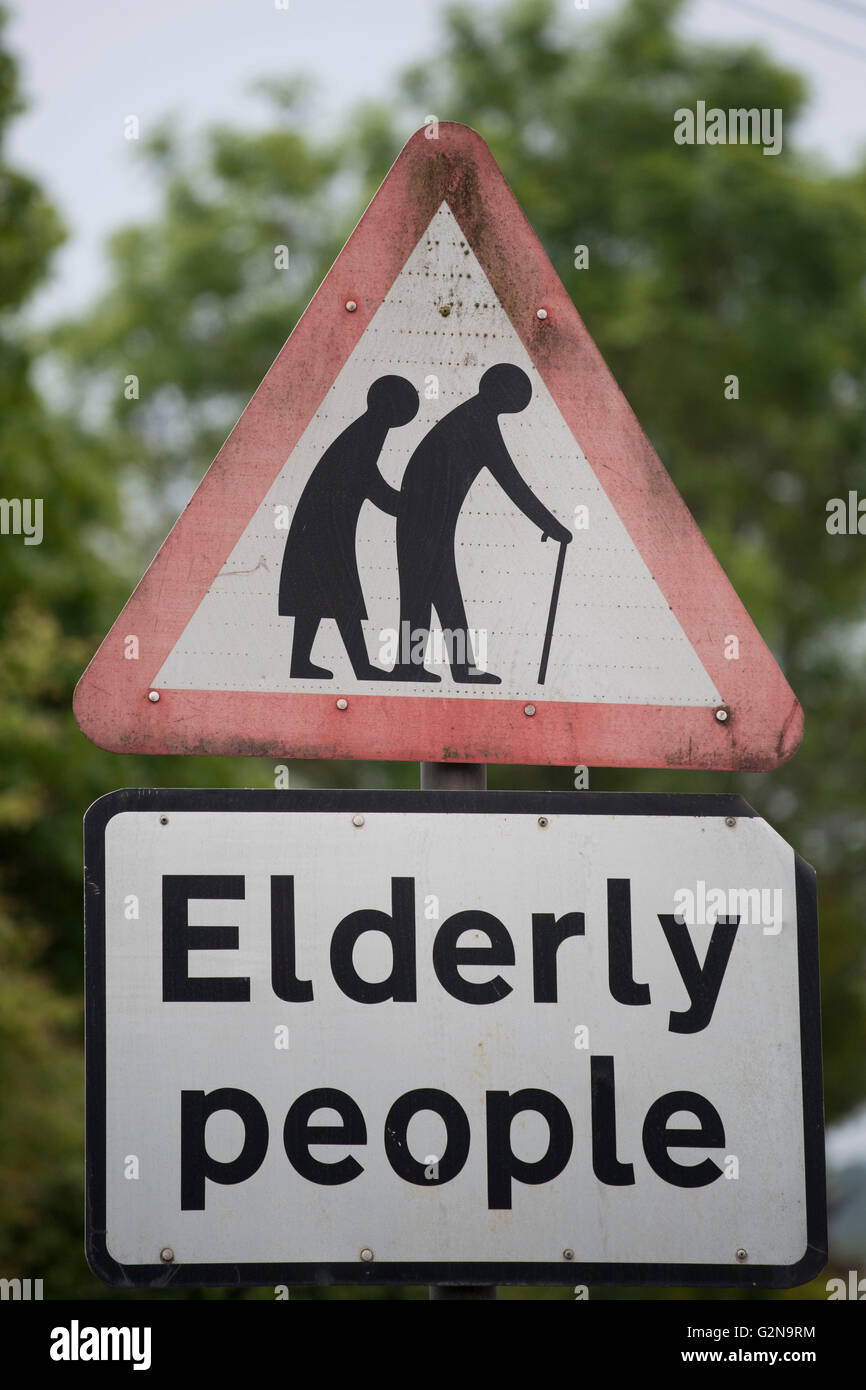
{"points": [[621, 1061]]}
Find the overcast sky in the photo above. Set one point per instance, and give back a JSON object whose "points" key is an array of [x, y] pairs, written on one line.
{"points": [[88, 65]]}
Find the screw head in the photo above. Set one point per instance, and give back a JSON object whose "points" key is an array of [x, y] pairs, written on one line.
{"points": [[163, 820], [529, 709], [153, 696], [722, 715], [342, 704], [541, 313], [445, 310], [730, 822], [742, 1254], [568, 1254], [351, 306], [358, 821], [543, 822], [367, 1255], [166, 1255]]}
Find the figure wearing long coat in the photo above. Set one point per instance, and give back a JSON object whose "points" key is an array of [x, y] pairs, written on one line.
{"points": [[319, 577]]}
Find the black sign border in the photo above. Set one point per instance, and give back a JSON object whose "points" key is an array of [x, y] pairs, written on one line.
{"points": [[354, 802]]}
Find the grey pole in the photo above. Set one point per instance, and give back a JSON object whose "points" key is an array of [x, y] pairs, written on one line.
{"points": [[457, 777], [466, 1293], [454, 777]]}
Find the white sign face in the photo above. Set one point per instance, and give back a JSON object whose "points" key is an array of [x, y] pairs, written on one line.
{"points": [[525, 1038], [615, 639]]}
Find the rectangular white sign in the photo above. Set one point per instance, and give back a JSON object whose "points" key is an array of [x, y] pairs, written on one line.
{"points": [[425, 1037]]}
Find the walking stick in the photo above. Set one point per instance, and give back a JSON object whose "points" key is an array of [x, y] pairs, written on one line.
{"points": [[551, 617]]}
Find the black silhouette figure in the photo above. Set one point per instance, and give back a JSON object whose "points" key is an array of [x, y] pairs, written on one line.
{"points": [[319, 577], [437, 479]]}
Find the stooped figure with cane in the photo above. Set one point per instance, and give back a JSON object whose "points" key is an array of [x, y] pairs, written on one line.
{"points": [[437, 479]]}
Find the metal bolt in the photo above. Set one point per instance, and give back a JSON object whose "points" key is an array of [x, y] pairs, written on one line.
{"points": [[367, 1254], [445, 310], [721, 714], [153, 696], [358, 821], [351, 306], [543, 822], [163, 820], [568, 1254], [541, 313], [529, 709], [166, 1254], [742, 1254], [342, 704], [730, 822]]}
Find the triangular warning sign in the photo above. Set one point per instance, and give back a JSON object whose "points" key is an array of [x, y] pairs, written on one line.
{"points": [[438, 533]]}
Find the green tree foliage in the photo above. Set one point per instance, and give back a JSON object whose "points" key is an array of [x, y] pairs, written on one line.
{"points": [[41, 1069], [705, 261]]}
